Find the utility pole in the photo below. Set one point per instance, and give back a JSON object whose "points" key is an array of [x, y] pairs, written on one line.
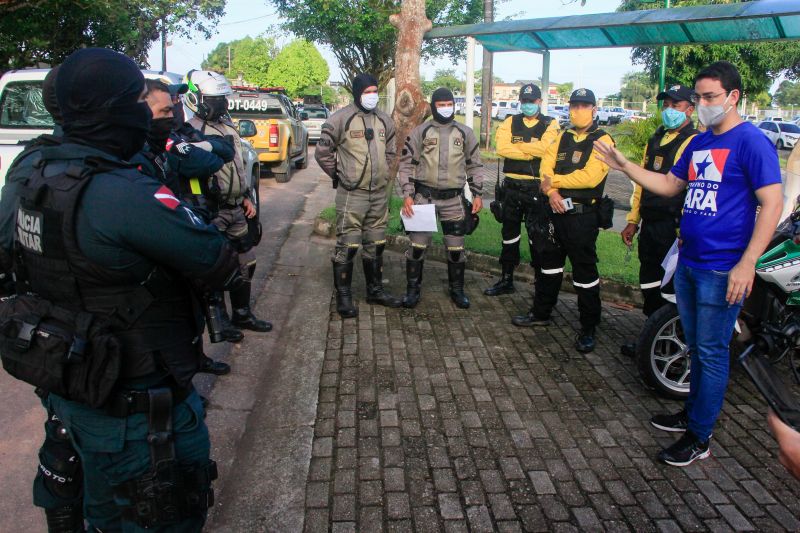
{"points": [[486, 87], [163, 45], [662, 75], [229, 60]]}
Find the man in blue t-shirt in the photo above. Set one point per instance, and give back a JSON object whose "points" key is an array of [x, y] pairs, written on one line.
{"points": [[727, 172]]}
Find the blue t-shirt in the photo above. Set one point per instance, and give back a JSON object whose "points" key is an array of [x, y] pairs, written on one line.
{"points": [[723, 172]]}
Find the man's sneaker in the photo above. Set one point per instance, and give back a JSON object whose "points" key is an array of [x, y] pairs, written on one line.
{"points": [[685, 451], [677, 422], [584, 341]]}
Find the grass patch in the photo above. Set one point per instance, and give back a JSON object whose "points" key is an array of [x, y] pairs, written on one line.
{"points": [[329, 213], [487, 240]]}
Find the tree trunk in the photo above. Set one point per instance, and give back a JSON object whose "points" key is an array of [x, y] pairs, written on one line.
{"points": [[486, 83], [410, 104]]}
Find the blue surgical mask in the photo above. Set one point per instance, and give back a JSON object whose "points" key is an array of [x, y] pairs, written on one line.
{"points": [[529, 109], [672, 118]]}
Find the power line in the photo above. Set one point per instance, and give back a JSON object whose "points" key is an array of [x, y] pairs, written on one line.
{"points": [[247, 20]]}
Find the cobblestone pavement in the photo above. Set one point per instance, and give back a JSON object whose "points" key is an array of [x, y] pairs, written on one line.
{"points": [[438, 419]]}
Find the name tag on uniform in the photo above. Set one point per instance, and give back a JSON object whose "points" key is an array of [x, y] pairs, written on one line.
{"points": [[356, 134], [430, 142], [561, 156], [568, 205], [516, 139], [29, 230]]}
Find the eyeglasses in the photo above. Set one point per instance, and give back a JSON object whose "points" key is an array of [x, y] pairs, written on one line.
{"points": [[708, 98]]}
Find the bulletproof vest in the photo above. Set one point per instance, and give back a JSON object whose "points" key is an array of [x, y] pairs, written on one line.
{"points": [[158, 168], [230, 180], [660, 159], [145, 316], [443, 160], [362, 153], [573, 155], [520, 133]]}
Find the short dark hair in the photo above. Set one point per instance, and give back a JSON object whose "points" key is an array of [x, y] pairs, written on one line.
{"points": [[156, 85], [725, 72]]}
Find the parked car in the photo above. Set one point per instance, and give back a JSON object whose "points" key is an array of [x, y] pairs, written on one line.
{"points": [[610, 115], [506, 109], [317, 115], [751, 118], [782, 134], [560, 113], [280, 137]]}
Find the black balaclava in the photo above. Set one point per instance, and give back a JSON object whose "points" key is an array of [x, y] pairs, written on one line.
{"points": [[160, 128], [98, 93], [180, 116], [49, 96], [442, 94], [360, 83], [213, 108]]}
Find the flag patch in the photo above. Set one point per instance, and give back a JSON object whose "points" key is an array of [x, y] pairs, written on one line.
{"points": [[167, 197]]}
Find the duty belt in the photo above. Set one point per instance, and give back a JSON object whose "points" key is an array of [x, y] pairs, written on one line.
{"points": [[436, 194], [579, 208], [130, 402], [522, 184]]}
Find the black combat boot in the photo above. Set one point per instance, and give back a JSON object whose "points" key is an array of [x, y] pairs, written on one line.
{"points": [[455, 277], [243, 317], [229, 333], [414, 282], [373, 273], [342, 278], [584, 342], [67, 519], [506, 283]]}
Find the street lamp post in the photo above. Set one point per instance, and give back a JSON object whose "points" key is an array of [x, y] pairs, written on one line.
{"points": [[662, 75]]}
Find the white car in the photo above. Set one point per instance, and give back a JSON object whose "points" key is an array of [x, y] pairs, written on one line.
{"points": [[317, 115], [506, 109], [782, 134]]}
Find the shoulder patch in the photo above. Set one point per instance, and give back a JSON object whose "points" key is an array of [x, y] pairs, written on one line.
{"points": [[166, 197]]}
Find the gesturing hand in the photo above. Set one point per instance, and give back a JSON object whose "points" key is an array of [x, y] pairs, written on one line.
{"points": [[610, 155]]}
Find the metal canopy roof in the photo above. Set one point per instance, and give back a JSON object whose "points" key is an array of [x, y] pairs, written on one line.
{"points": [[763, 20]]}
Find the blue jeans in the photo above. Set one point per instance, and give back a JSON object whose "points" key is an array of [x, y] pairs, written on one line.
{"points": [[708, 322]]}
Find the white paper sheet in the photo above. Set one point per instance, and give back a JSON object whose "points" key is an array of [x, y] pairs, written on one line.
{"points": [[424, 218], [670, 263]]}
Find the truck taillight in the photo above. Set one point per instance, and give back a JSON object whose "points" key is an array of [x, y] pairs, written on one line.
{"points": [[273, 135]]}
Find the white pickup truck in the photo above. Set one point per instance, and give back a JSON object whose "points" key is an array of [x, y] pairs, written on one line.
{"points": [[23, 117], [22, 113]]}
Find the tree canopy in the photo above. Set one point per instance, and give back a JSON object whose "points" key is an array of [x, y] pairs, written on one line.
{"points": [[443, 78], [47, 31], [758, 63], [788, 94], [637, 87], [360, 35], [250, 56], [298, 65]]}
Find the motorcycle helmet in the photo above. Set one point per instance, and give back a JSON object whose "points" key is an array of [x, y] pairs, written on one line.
{"points": [[207, 93]]}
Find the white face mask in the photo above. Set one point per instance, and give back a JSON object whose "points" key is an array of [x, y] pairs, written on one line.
{"points": [[446, 111], [713, 115], [369, 101]]}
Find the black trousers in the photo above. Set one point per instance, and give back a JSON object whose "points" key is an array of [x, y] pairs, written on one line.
{"points": [[576, 238], [657, 235], [522, 203]]}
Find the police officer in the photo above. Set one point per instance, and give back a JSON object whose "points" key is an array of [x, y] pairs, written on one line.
{"points": [[357, 150], [124, 262], [438, 158], [153, 160], [207, 97], [57, 486], [660, 216], [521, 139], [573, 181]]}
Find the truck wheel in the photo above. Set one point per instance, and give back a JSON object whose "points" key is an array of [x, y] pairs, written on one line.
{"points": [[303, 163], [284, 177]]}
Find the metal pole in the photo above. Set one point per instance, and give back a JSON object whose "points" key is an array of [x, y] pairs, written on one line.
{"points": [[662, 76], [163, 45], [486, 87], [229, 60], [469, 98], [545, 80]]}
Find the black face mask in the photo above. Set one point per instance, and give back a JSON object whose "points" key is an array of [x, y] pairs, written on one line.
{"points": [[160, 129], [214, 107]]}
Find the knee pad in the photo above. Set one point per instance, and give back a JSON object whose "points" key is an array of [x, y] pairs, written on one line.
{"points": [[454, 227], [168, 496], [417, 252], [60, 471], [456, 255]]}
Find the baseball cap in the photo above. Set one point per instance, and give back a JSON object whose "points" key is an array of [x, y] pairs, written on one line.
{"points": [[677, 93], [529, 92], [178, 88], [582, 95]]}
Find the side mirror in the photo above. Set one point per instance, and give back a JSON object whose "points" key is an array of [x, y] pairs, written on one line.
{"points": [[247, 128], [303, 115]]}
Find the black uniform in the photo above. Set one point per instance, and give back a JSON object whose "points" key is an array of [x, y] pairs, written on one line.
{"points": [[661, 218]]}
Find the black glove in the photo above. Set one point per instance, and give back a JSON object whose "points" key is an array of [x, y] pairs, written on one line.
{"points": [[335, 180], [223, 147]]}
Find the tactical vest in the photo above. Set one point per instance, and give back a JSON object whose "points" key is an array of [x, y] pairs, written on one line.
{"points": [[660, 159], [149, 318], [447, 173], [520, 133], [573, 155], [159, 168], [230, 181], [359, 165]]}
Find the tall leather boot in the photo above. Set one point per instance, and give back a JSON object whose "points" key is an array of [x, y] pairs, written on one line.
{"points": [[67, 519], [243, 317], [414, 283], [342, 278], [455, 277], [229, 333], [373, 273], [506, 283]]}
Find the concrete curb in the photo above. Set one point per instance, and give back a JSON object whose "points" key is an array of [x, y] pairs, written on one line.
{"points": [[612, 291]]}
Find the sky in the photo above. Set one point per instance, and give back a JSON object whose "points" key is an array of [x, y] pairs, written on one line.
{"points": [[599, 70]]}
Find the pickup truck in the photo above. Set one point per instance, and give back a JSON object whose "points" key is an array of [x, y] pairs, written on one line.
{"points": [[23, 118], [610, 115], [280, 139]]}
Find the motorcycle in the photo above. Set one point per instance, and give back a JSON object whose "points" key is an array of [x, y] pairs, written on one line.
{"points": [[769, 320]]}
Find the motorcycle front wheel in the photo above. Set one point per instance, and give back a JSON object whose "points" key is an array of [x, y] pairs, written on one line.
{"points": [[662, 354]]}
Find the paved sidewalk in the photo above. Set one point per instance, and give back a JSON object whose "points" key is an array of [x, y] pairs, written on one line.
{"points": [[438, 419]]}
